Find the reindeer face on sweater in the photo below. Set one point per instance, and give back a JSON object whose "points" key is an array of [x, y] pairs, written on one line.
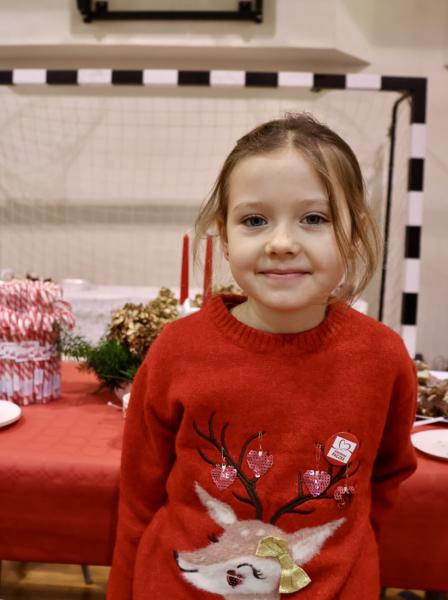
{"points": [[230, 565]]}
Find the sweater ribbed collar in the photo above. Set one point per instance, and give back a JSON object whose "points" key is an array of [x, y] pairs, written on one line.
{"points": [[218, 310]]}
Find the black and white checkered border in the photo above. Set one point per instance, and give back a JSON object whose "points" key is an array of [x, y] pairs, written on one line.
{"points": [[415, 86]]}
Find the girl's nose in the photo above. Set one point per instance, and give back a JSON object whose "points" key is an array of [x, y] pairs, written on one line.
{"points": [[283, 241]]}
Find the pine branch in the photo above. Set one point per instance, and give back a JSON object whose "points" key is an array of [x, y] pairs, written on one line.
{"points": [[110, 360]]}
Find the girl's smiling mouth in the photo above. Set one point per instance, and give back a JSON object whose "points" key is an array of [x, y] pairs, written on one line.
{"points": [[284, 274]]}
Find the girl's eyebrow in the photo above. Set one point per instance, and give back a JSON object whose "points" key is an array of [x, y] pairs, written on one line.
{"points": [[304, 203], [249, 205]]}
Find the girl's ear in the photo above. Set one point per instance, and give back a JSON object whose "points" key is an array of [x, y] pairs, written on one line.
{"points": [[223, 238]]}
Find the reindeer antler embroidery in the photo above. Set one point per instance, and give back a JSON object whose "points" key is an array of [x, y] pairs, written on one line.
{"points": [[250, 483], [221, 445], [301, 498]]}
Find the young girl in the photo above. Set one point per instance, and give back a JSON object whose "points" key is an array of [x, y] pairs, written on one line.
{"points": [[268, 433]]}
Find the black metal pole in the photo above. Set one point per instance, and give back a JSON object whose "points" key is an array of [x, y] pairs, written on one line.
{"points": [[390, 176]]}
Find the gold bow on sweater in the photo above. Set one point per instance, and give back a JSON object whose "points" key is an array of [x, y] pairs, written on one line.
{"points": [[292, 577]]}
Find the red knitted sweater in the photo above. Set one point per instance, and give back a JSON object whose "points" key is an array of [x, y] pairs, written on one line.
{"points": [[190, 528]]}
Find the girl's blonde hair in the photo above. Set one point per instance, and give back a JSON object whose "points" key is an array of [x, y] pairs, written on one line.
{"points": [[340, 173]]}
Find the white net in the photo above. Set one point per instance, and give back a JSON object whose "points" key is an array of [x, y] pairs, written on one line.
{"points": [[100, 183]]}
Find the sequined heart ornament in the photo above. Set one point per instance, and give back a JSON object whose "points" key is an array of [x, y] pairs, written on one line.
{"points": [[343, 495], [260, 462], [223, 476], [316, 481]]}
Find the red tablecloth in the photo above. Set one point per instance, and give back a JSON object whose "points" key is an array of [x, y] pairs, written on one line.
{"points": [[59, 470], [414, 544], [59, 467]]}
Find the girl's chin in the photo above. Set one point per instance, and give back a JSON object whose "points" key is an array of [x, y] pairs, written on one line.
{"points": [[287, 308], [287, 300]]}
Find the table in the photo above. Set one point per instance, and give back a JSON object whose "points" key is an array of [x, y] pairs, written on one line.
{"points": [[59, 474], [414, 543]]}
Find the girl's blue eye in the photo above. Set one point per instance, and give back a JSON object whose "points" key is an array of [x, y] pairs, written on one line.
{"points": [[254, 221], [315, 219]]}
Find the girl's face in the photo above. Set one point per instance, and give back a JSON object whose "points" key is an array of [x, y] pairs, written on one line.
{"points": [[280, 243]]}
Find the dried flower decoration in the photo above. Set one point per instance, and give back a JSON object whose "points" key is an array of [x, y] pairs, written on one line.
{"points": [[224, 289], [432, 398], [137, 325]]}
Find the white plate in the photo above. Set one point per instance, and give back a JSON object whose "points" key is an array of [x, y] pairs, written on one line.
{"points": [[9, 412], [432, 441], [421, 420]]}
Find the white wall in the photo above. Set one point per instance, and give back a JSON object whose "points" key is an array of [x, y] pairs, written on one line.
{"points": [[398, 37]]}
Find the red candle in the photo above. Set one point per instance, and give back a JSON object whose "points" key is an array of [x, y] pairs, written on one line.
{"points": [[208, 267], [184, 271]]}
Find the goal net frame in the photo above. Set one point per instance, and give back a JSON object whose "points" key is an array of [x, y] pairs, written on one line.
{"points": [[414, 88]]}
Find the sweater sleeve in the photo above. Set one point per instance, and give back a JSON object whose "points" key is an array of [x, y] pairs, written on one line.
{"points": [[396, 458], [147, 458]]}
